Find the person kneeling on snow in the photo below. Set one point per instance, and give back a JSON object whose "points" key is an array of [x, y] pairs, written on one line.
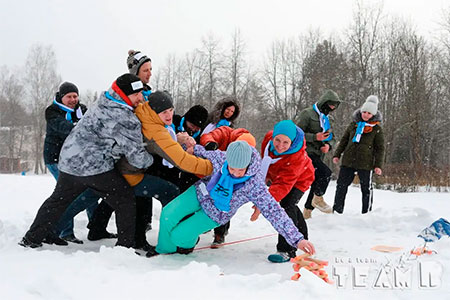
{"points": [[213, 200]]}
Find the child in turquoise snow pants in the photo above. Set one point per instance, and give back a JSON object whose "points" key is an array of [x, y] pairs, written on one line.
{"points": [[213, 200], [173, 233]]}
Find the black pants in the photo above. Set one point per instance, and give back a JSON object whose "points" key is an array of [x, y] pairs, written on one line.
{"points": [[222, 230], [104, 211], [346, 176], [111, 186], [322, 175], [289, 203]]}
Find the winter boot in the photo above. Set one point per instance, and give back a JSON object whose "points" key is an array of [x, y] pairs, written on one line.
{"points": [[29, 244], [281, 257], [72, 238], [218, 241], [307, 213], [151, 252], [54, 239], [187, 250], [321, 205], [95, 235]]}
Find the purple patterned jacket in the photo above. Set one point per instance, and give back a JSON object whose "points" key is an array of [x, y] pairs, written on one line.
{"points": [[254, 190]]}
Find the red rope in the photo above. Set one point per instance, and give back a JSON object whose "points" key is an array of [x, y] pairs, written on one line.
{"points": [[238, 241]]}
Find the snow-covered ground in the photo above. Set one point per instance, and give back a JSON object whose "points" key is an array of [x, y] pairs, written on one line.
{"points": [[96, 270]]}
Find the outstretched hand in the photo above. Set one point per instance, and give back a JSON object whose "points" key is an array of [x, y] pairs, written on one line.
{"points": [[255, 214], [335, 160], [306, 246]]}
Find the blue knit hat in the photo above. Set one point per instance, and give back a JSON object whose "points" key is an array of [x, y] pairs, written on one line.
{"points": [[286, 127], [239, 154]]}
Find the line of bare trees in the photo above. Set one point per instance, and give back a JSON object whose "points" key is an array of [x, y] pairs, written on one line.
{"points": [[375, 54]]}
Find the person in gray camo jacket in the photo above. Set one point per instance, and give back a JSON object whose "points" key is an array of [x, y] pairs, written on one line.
{"points": [[107, 132]]}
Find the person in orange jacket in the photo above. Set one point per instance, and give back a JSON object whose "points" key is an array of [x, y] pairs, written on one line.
{"points": [[289, 174]]}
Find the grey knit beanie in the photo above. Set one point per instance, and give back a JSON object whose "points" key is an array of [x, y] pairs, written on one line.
{"points": [[239, 154], [135, 60], [371, 105]]}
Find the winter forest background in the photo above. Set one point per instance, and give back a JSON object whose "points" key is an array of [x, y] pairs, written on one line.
{"points": [[376, 54]]}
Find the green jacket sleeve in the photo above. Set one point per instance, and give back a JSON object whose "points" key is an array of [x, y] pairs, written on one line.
{"points": [[344, 141], [378, 147]]}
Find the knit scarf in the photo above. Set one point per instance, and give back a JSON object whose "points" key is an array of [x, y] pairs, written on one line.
{"points": [[181, 129], [221, 187], [267, 161], [363, 127], [69, 111], [108, 96], [171, 129], [324, 122], [146, 94], [223, 122]]}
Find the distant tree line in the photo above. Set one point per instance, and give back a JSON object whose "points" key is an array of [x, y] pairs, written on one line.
{"points": [[376, 54]]}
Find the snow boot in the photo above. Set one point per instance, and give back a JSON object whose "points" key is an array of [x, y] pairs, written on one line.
{"points": [[151, 252], [281, 257], [29, 244], [54, 239], [187, 250], [307, 213], [143, 245], [218, 241], [95, 235], [72, 238], [321, 205]]}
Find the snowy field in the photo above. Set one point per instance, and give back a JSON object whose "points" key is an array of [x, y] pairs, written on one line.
{"points": [[96, 270]]}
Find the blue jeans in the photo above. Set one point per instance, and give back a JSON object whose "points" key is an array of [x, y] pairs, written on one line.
{"points": [[88, 201], [152, 186]]}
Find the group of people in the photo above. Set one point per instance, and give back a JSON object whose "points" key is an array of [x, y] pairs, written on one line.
{"points": [[130, 148]]}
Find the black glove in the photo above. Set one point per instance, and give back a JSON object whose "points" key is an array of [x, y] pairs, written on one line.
{"points": [[211, 146]]}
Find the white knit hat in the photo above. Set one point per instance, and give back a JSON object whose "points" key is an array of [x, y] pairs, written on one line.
{"points": [[371, 105]]}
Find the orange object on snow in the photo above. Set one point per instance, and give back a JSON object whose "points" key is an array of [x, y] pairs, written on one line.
{"points": [[421, 250], [315, 266]]}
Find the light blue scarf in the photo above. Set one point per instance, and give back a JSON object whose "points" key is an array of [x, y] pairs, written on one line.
{"points": [[121, 102], [223, 122], [69, 111], [360, 130], [324, 122], [181, 129], [222, 191]]}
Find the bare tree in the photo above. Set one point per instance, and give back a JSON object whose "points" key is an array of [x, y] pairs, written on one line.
{"points": [[211, 52], [42, 82], [363, 40], [13, 119]]}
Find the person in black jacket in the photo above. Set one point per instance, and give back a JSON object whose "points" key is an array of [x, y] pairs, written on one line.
{"points": [[61, 117]]}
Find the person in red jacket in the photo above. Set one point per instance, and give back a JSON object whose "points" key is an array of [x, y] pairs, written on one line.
{"points": [[219, 139], [289, 174]]}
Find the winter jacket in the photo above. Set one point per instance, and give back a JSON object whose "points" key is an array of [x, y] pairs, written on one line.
{"points": [[369, 152], [308, 120], [292, 170], [223, 136], [254, 190], [106, 132], [58, 128], [158, 141]]}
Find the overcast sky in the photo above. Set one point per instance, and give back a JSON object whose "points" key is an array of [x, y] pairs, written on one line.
{"points": [[91, 38]]}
